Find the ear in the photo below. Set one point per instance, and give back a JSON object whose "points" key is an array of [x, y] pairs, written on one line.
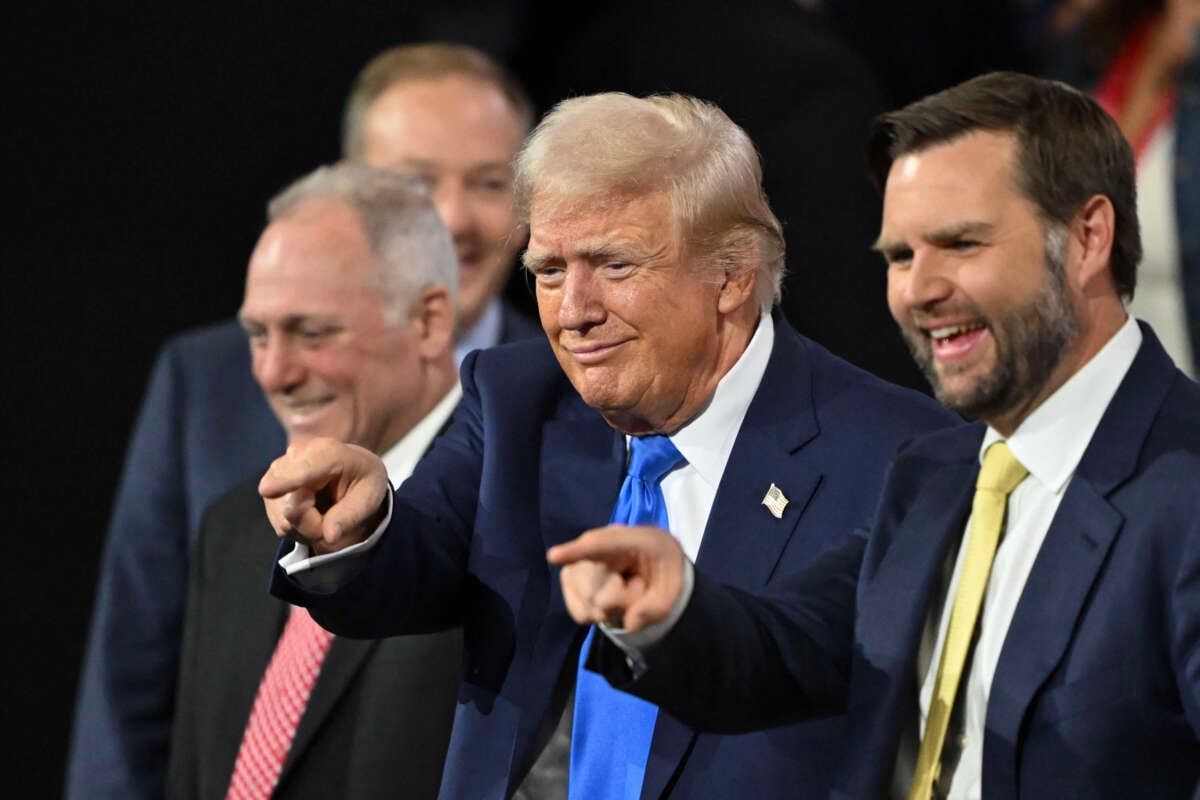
{"points": [[433, 316], [1091, 241], [737, 290]]}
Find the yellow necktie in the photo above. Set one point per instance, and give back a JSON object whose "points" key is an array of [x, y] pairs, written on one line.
{"points": [[1000, 474]]}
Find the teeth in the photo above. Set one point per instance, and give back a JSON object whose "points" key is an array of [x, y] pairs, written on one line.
{"points": [[952, 330], [306, 408]]}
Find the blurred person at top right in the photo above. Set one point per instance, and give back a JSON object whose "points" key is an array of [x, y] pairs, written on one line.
{"points": [[1141, 61]]}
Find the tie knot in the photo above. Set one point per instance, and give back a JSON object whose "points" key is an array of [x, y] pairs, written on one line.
{"points": [[1001, 471], [652, 457]]}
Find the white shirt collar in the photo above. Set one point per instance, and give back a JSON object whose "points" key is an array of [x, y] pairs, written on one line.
{"points": [[483, 334], [707, 439], [1052, 439], [402, 457]]}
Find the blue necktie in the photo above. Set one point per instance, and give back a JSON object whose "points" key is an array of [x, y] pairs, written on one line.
{"points": [[611, 732]]}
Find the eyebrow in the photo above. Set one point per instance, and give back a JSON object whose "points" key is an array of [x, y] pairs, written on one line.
{"points": [[589, 251], [952, 233], [532, 261], [939, 236]]}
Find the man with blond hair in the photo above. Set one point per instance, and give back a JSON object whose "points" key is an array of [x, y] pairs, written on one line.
{"points": [[667, 388], [444, 113]]}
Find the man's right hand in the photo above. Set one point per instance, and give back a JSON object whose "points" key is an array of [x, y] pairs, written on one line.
{"points": [[325, 494], [627, 577]]}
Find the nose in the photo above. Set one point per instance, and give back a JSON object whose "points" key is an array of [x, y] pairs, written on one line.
{"points": [[276, 366], [581, 304], [923, 283], [454, 207]]}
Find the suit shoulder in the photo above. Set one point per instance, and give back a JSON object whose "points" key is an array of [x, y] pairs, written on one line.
{"points": [[204, 375], [1169, 459], [517, 367], [851, 390], [1179, 417], [515, 326], [216, 343], [520, 380], [946, 444], [212, 360]]}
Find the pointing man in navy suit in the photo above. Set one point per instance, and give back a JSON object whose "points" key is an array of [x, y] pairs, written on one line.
{"points": [[665, 386], [1025, 628]]}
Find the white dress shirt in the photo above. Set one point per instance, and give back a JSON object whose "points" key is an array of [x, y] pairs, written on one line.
{"points": [[706, 442], [1050, 443]]}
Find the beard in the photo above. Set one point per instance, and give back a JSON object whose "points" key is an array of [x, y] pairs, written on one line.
{"points": [[1030, 340]]}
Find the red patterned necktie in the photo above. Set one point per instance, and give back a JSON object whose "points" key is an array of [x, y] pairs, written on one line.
{"points": [[278, 706]]}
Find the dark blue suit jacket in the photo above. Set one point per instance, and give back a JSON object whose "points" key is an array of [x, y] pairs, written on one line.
{"points": [[1097, 691], [526, 465], [203, 428]]}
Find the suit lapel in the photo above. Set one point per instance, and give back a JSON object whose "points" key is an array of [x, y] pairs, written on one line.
{"points": [[890, 632], [743, 541], [244, 626], [1067, 565], [581, 467], [342, 664], [1070, 561], [582, 463], [896, 590]]}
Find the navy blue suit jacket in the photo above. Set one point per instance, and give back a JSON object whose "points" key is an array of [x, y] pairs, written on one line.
{"points": [[1097, 690], [204, 427], [526, 465]]}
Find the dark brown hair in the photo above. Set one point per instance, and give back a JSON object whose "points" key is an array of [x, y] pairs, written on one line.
{"points": [[1068, 149]]}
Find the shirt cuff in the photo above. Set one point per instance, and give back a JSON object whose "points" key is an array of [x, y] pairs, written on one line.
{"points": [[635, 643], [300, 559]]}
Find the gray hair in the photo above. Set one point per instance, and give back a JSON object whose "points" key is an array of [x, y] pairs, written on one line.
{"points": [[412, 248], [612, 143]]}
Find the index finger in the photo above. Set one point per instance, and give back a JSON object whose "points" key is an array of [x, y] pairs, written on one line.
{"points": [[608, 544], [297, 469]]}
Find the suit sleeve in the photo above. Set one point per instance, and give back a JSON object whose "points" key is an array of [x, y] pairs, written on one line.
{"points": [[736, 662], [413, 580], [126, 696]]}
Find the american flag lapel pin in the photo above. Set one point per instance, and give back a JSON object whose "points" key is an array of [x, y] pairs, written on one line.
{"points": [[775, 501]]}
